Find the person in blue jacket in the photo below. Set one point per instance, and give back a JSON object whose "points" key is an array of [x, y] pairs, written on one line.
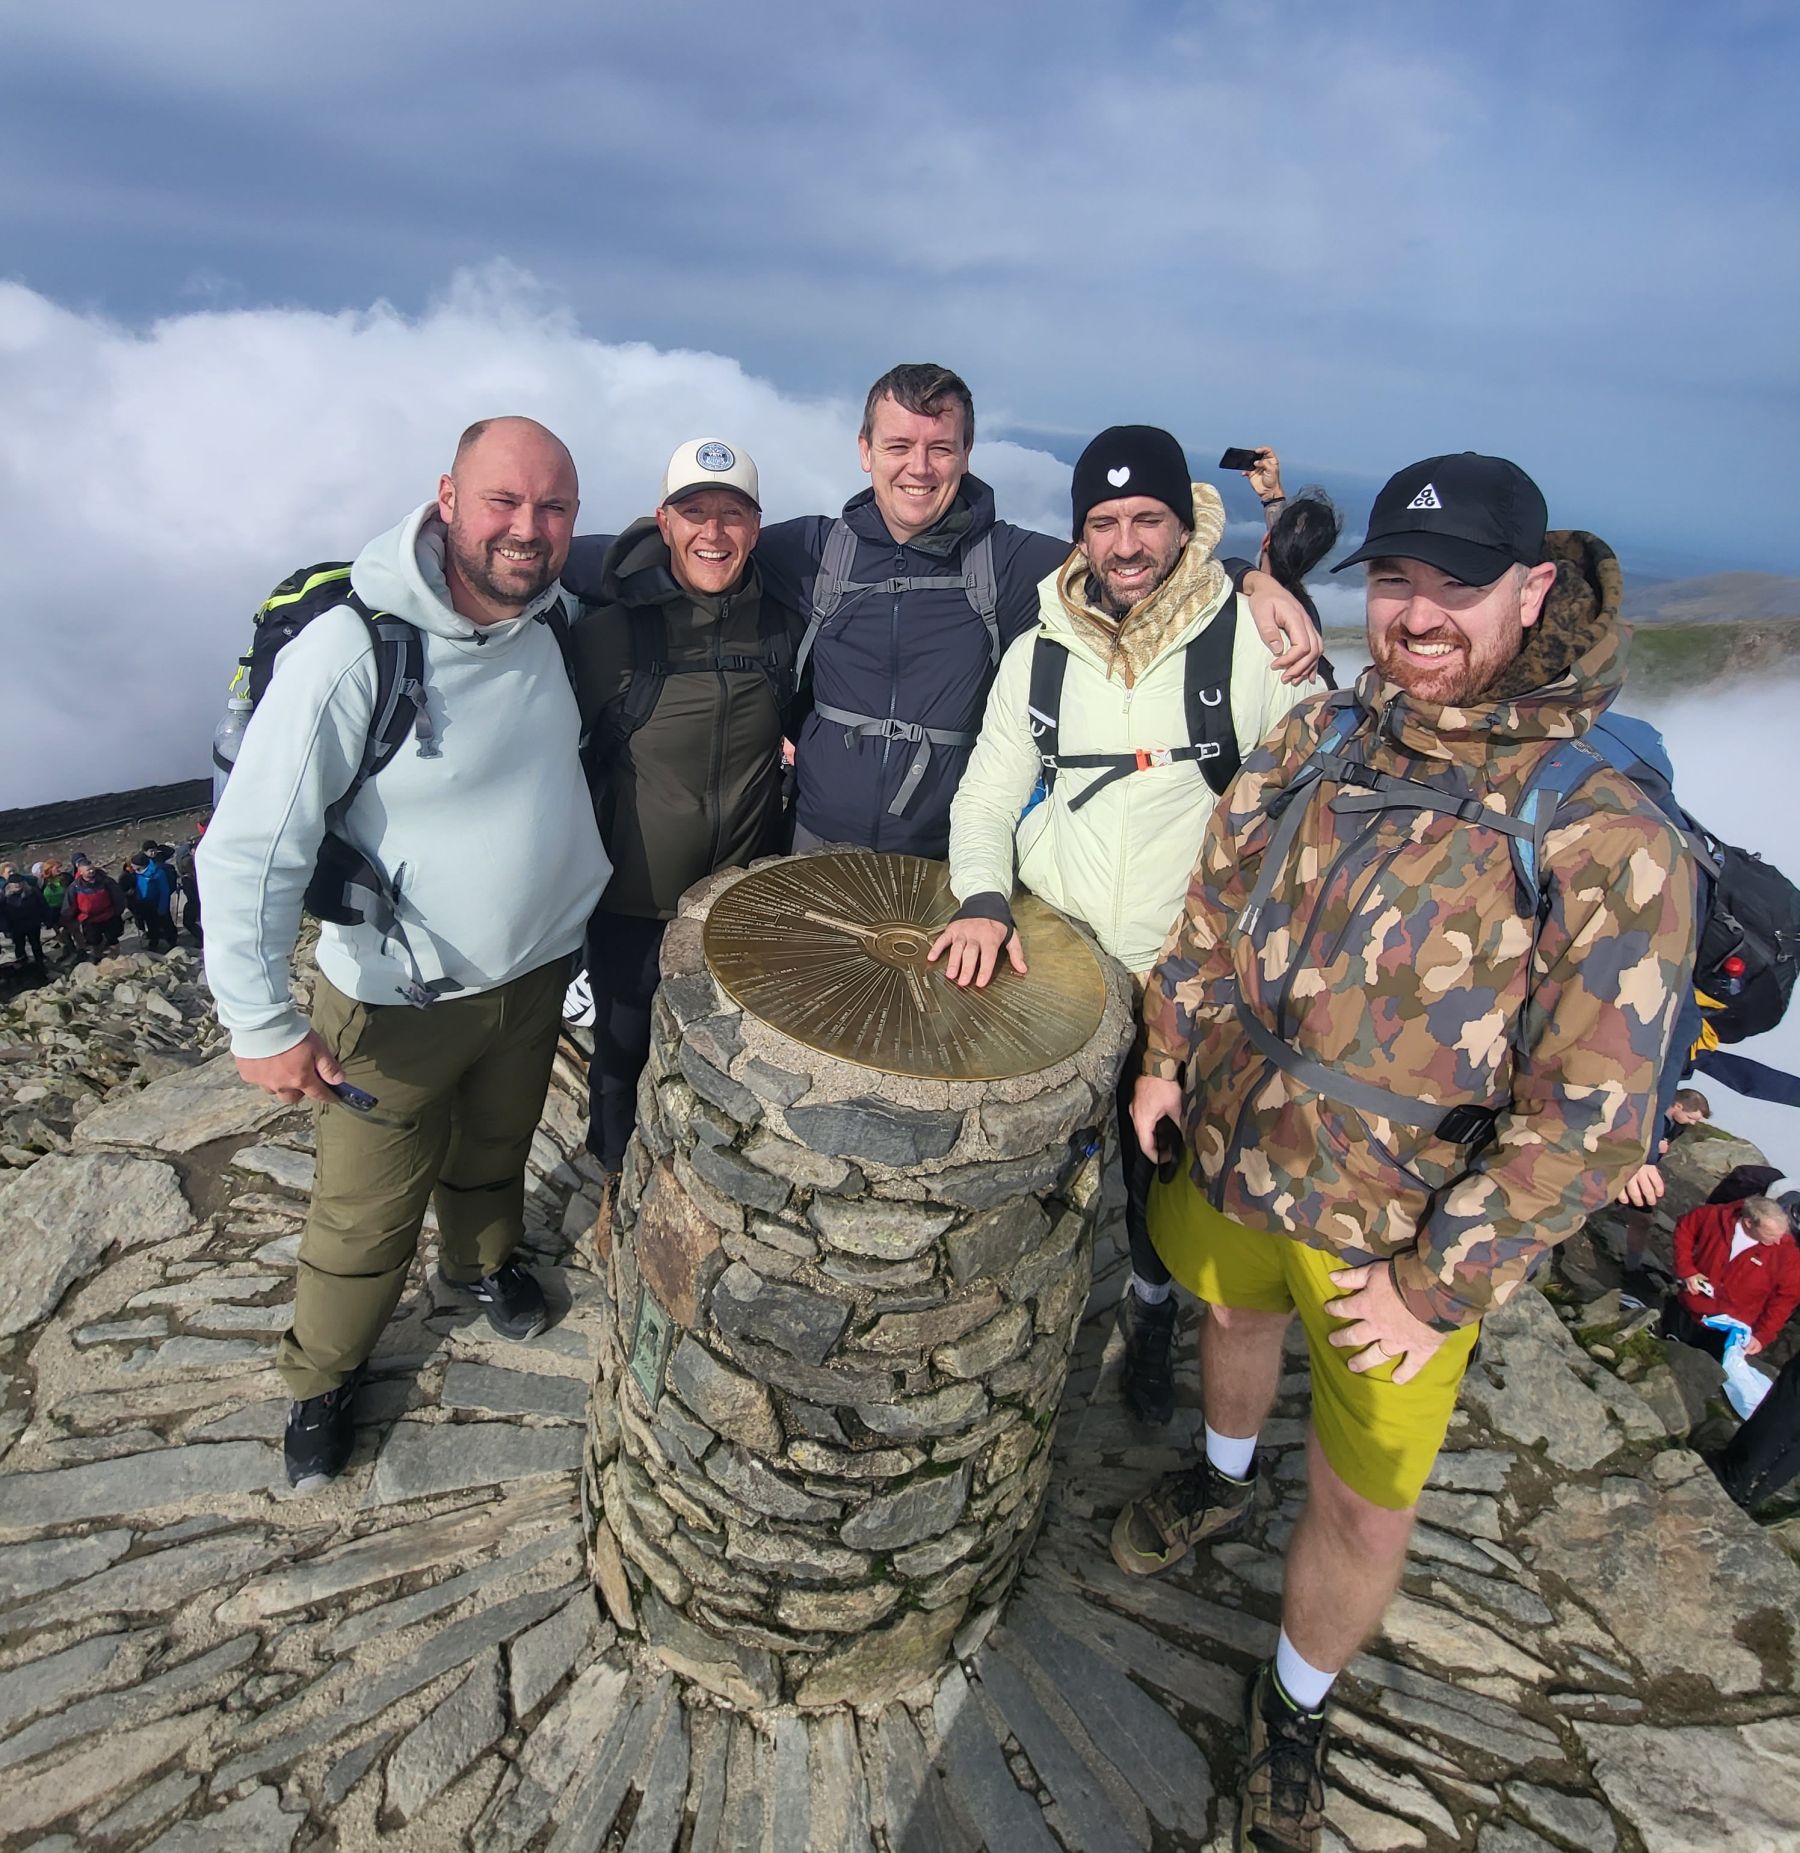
{"points": [[153, 892]]}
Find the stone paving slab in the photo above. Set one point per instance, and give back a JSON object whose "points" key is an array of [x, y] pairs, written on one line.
{"points": [[193, 1660]]}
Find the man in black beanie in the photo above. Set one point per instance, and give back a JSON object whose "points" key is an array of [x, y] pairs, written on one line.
{"points": [[1125, 707], [1126, 462]]}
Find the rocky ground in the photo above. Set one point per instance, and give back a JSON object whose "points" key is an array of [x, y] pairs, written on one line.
{"points": [[1593, 1649]]}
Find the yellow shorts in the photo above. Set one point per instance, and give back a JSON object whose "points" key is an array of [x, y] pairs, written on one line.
{"points": [[1380, 1437]]}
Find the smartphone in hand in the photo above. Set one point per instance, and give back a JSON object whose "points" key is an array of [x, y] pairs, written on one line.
{"points": [[353, 1097], [1237, 458]]}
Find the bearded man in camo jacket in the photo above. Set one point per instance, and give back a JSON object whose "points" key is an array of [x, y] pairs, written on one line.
{"points": [[1411, 1024]]}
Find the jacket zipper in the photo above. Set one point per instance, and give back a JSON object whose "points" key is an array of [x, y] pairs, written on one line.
{"points": [[1373, 873], [1236, 1145], [887, 745], [714, 802]]}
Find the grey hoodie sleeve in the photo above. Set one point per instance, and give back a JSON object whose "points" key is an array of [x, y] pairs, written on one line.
{"points": [[298, 757]]}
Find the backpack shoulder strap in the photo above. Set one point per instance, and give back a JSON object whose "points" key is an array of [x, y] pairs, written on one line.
{"points": [[1345, 718], [776, 642], [649, 669], [399, 695], [1567, 766], [1049, 665], [829, 586], [1206, 690], [555, 619], [983, 588]]}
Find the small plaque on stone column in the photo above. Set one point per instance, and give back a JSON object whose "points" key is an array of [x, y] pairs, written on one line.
{"points": [[650, 1347]]}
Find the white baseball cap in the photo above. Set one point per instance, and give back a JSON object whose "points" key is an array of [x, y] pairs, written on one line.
{"points": [[710, 463]]}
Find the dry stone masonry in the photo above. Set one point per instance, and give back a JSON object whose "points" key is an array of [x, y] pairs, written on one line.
{"points": [[842, 1305]]}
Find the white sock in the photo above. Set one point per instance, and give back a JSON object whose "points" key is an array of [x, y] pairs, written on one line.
{"points": [[1300, 1679], [1231, 1455], [1151, 1292]]}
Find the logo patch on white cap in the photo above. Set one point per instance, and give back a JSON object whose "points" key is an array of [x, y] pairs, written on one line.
{"points": [[723, 457], [1119, 477], [1426, 498]]}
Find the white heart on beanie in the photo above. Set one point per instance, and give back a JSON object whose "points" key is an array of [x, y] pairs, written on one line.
{"points": [[1119, 477]]}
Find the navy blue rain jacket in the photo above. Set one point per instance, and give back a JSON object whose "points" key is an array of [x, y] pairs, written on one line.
{"points": [[919, 656]]}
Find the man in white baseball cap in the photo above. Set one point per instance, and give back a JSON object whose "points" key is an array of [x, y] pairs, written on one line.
{"points": [[689, 672], [710, 463]]}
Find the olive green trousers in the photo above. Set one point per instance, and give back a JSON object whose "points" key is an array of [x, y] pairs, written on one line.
{"points": [[459, 1088]]}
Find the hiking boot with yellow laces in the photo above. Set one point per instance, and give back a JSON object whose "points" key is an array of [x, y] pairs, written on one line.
{"points": [[1281, 1800], [1195, 1506]]}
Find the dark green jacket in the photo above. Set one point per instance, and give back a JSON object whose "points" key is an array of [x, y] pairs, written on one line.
{"points": [[696, 786]]}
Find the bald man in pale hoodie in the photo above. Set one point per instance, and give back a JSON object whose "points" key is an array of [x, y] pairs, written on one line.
{"points": [[486, 836]]}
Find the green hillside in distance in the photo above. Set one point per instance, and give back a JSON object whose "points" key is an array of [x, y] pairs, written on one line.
{"points": [[1670, 658]]}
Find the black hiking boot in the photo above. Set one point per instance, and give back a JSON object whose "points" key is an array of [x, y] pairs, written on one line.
{"points": [[1147, 1382], [514, 1301], [320, 1433], [1198, 1505], [1281, 1800]]}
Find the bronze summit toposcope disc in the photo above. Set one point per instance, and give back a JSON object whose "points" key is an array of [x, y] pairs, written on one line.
{"points": [[830, 950]]}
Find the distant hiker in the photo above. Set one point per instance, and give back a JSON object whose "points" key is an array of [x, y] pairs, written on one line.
{"points": [[688, 671], [464, 873], [53, 884], [1404, 1072], [1764, 1455], [1743, 1181], [1128, 707], [909, 599], [93, 907], [25, 914], [152, 893], [1735, 1261], [1298, 532], [188, 878], [1645, 1188]]}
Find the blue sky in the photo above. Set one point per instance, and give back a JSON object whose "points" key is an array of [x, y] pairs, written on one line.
{"points": [[1363, 233]]}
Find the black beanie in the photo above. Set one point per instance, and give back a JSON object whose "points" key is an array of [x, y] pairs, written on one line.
{"points": [[1127, 460]]}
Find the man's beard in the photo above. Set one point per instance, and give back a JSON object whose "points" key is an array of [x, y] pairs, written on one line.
{"points": [[1121, 605], [1451, 681], [518, 589]]}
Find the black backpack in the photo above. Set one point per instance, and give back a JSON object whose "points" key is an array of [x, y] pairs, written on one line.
{"points": [[1749, 912], [346, 888], [1206, 691]]}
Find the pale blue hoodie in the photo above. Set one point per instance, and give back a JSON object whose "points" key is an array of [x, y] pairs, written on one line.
{"points": [[491, 841]]}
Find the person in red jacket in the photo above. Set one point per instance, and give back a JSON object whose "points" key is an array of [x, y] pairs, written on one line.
{"points": [[1738, 1259]]}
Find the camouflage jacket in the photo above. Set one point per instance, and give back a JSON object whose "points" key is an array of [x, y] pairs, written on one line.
{"points": [[1394, 949]]}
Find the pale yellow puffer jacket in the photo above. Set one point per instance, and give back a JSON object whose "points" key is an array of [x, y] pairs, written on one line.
{"points": [[1121, 863]]}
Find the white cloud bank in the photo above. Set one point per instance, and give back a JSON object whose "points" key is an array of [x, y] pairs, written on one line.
{"points": [[154, 484]]}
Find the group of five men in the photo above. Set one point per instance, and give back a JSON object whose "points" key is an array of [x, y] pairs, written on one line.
{"points": [[1370, 1087]]}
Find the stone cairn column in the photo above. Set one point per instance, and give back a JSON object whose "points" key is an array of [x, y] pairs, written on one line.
{"points": [[842, 1304]]}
